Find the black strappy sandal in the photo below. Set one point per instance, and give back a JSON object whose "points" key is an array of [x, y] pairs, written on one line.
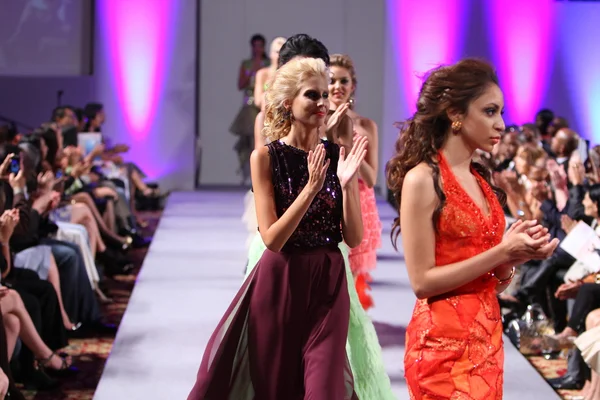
{"points": [[65, 368]]}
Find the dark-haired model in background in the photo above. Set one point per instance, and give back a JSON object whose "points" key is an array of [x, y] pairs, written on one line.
{"points": [[263, 77], [243, 124]]}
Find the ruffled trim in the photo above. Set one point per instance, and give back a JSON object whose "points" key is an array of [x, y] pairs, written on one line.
{"points": [[363, 289], [363, 258], [249, 217], [362, 263]]}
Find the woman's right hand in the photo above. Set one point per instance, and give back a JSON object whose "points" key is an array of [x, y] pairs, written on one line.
{"points": [[576, 171], [5, 164], [512, 181], [317, 169], [334, 120], [81, 168], [45, 180], [527, 240], [567, 223]]}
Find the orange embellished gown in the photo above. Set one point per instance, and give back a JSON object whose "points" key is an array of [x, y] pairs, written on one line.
{"points": [[454, 346]]}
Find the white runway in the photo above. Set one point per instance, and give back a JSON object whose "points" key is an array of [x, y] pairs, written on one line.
{"points": [[192, 271]]}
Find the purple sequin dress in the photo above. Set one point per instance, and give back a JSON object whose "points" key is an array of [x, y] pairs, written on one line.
{"points": [[284, 334]]}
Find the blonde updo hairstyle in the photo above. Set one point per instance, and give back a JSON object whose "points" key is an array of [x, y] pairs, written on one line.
{"points": [[344, 61], [276, 46], [285, 86]]}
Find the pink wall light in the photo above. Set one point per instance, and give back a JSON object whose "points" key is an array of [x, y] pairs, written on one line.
{"points": [[138, 37], [426, 34], [521, 44]]}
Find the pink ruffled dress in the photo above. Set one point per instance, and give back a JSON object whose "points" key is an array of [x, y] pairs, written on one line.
{"points": [[363, 258]]}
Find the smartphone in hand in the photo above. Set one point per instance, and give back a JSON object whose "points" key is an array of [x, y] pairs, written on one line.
{"points": [[15, 165]]}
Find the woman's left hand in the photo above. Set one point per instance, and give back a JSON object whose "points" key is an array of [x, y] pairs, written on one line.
{"points": [[8, 221], [348, 165], [558, 175], [45, 180], [536, 232], [568, 290], [338, 115]]}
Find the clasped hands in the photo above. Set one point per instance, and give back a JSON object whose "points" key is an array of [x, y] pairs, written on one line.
{"points": [[528, 240]]}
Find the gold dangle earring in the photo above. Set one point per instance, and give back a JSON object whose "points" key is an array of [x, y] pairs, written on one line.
{"points": [[456, 127]]}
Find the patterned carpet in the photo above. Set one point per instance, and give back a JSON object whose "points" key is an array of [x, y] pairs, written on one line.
{"points": [[89, 355], [553, 369]]}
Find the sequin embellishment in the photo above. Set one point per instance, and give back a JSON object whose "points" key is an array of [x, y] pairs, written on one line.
{"points": [[321, 225]]}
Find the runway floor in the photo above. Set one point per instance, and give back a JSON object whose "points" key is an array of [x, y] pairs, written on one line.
{"points": [[191, 273]]}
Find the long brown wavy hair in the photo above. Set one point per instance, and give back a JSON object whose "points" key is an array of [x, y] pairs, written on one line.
{"points": [[452, 87]]}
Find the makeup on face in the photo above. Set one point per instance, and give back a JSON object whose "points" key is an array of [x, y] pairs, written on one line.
{"points": [[314, 95]]}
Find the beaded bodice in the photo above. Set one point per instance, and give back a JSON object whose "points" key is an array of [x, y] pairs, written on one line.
{"points": [[463, 229], [321, 225]]}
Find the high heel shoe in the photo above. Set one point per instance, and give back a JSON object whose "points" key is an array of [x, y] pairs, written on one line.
{"points": [[141, 223], [141, 242], [118, 242], [127, 244], [112, 270], [155, 193], [66, 367], [75, 327], [138, 241], [115, 263]]}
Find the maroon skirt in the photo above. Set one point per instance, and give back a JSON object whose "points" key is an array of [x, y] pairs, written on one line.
{"points": [[284, 334]]}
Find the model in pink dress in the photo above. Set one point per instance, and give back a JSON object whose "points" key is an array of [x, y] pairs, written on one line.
{"points": [[363, 258]]}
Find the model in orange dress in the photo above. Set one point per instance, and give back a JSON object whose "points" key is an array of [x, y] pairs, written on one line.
{"points": [[457, 254]]}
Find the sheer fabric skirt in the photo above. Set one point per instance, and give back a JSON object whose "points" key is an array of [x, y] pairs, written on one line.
{"points": [[371, 381], [249, 218], [284, 334]]}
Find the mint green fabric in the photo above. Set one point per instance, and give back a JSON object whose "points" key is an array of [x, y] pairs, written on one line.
{"points": [[371, 382]]}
